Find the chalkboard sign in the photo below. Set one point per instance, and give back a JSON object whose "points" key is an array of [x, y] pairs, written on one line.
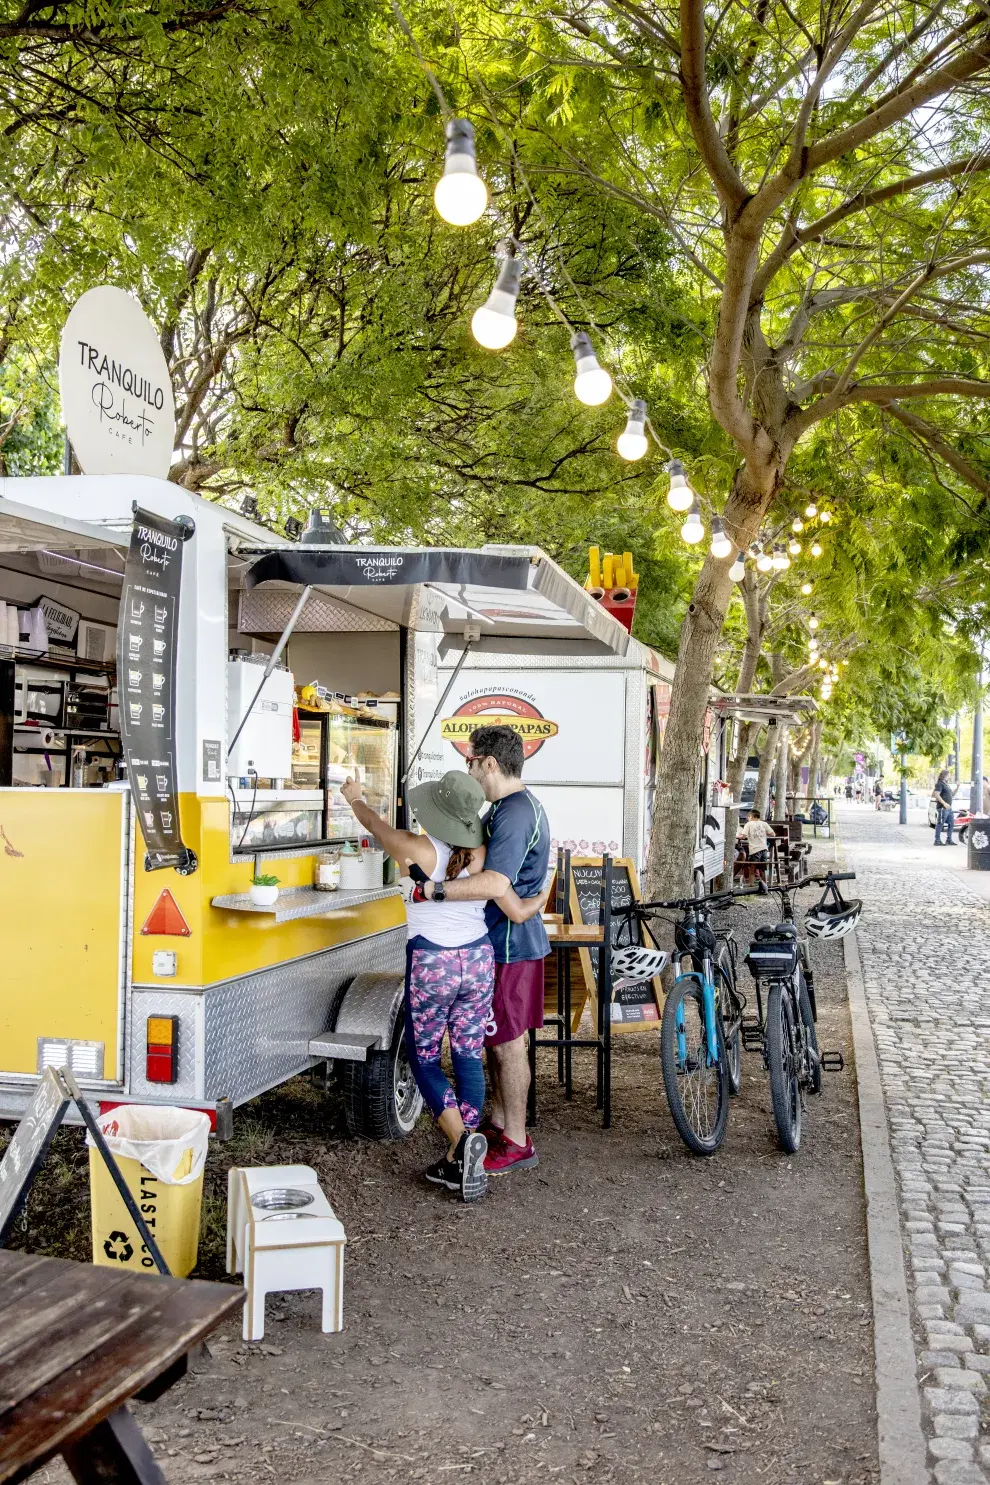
{"points": [[634, 1007], [25, 1154]]}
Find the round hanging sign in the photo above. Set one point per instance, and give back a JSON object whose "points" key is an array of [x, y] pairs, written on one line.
{"points": [[117, 401]]}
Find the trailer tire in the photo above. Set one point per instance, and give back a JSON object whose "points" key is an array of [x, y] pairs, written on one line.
{"points": [[381, 1100]]}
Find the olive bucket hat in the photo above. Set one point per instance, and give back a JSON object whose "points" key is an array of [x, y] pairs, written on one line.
{"points": [[448, 809]]}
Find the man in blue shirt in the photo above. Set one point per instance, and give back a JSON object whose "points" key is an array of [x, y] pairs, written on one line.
{"points": [[518, 840]]}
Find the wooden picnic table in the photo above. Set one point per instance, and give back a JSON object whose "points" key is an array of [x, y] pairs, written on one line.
{"points": [[76, 1341]]}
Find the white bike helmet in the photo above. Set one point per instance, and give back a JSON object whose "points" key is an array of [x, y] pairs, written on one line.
{"points": [[833, 916], [636, 964]]}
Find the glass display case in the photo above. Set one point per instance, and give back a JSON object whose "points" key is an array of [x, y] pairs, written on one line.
{"points": [[332, 747], [361, 748]]}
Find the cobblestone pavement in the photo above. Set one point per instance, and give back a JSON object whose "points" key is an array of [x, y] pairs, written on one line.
{"points": [[924, 939]]}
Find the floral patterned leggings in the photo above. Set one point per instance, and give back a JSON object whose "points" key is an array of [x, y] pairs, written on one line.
{"points": [[449, 990]]}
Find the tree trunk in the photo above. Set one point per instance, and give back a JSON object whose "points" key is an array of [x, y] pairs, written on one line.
{"points": [[668, 867], [737, 774], [815, 763], [767, 757], [780, 797]]}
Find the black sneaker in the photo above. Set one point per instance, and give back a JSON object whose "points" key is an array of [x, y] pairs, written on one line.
{"points": [[472, 1148], [465, 1173], [445, 1173]]}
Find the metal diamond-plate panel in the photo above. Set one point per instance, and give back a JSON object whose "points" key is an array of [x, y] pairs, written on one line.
{"points": [[267, 610], [258, 1029], [150, 1000], [371, 1006]]}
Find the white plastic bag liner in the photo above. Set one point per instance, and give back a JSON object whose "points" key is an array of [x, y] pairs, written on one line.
{"points": [[158, 1137]]}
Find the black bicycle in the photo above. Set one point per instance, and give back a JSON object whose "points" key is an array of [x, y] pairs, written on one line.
{"points": [[785, 1027]]}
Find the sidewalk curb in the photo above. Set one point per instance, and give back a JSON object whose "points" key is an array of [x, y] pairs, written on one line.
{"points": [[901, 1441]]}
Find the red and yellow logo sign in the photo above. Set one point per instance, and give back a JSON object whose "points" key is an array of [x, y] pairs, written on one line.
{"points": [[498, 711]]}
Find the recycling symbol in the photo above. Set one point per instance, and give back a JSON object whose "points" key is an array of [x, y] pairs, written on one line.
{"points": [[111, 1249]]}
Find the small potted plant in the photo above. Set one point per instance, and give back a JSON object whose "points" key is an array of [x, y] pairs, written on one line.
{"points": [[264, 890]]}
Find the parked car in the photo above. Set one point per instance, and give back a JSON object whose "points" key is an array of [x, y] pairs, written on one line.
{"points": [[960, 803]]}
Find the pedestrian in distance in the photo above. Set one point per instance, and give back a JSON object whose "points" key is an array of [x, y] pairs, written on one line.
{"points": [[985, 799], [877, 792], [517, 836], [757, 833], [450, 965], [944, 817]]}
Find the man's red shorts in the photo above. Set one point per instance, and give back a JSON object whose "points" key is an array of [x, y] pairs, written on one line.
{"points": [[517, 1004]]}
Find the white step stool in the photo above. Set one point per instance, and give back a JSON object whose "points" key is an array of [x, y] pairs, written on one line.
{"points": [[279, 1247]]}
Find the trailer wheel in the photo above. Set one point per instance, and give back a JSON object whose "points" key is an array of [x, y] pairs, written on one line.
{"points": [[381, 1099]]}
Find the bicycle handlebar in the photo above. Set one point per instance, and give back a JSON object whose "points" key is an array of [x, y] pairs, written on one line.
{"points": [[685, 904]]}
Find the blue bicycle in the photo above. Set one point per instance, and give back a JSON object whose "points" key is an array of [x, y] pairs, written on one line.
{"points": [[701, 1028]]}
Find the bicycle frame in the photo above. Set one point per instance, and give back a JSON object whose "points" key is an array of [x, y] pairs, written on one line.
{"points": [[707, 983]]}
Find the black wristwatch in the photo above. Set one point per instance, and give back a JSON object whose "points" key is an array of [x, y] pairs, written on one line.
{"points": [[439, 895]]}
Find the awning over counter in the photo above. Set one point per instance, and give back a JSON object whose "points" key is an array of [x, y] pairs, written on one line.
{"points": [[24, 528], [792, 711], [509, 592]]}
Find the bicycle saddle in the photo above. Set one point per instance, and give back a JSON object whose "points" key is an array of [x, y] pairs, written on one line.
{"points": [[776, 931]]}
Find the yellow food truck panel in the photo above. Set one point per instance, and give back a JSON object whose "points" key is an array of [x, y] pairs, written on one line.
{"points": [[221, 943], [64, 866]]}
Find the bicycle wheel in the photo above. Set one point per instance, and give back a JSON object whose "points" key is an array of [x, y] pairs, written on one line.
{"points": [[730, 1013], [697, 1092], [811, 1037], [781, 1044]]}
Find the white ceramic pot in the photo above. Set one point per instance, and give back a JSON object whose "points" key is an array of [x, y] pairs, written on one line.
{"points": [[263, 896]]}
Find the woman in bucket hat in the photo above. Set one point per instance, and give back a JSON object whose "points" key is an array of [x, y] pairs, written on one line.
{"points": [[450, 968]]}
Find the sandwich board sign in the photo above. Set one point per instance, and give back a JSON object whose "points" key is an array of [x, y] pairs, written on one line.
{"points": [[117, 401], [26, 1152]]}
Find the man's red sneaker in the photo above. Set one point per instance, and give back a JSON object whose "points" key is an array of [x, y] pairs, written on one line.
{"points": [[493, 1133], [506, 1155]]}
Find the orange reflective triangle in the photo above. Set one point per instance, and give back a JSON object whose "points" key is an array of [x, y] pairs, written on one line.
{"points": [[166, 919]]}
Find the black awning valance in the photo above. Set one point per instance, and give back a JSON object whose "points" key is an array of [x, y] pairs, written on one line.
{"points": [[362, 567]]}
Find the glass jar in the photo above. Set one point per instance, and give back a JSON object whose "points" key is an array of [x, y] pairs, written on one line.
{"points": [[326, 873]]}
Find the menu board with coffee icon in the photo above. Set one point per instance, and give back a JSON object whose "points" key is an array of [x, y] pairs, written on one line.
{"points": [[147, 637]]}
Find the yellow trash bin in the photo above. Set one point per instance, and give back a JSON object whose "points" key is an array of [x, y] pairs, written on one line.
{"points": [[161, 1153]]}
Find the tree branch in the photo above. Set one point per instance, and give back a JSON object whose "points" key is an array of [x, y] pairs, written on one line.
{"points": [[931, 435]]}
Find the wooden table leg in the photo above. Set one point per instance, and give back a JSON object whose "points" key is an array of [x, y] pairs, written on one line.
{"points": [[115, 1452]]}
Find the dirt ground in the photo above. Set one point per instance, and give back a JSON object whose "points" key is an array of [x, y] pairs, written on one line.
{"points": [[625, 1312]]}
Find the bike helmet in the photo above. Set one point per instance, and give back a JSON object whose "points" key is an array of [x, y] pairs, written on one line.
{"points": [[636, 964], [832, 916]]}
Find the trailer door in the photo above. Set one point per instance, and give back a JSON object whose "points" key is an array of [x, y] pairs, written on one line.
{"points": [[63, 908]]}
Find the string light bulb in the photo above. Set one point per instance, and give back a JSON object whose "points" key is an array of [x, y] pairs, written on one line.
{"points": [[816, 549], [765, 560], [811, 511], [632, 442], [738, 569], [592, 384], [825, 517], [794, 547], [807, 589], [780, 561], [813, 622], [797, 525], [680, 496], [823, 665], [693, 529], [721, 545], [460, 195], [493, 323]]}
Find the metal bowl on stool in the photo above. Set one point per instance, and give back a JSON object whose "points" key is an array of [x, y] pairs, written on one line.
{"points": [[282, 1199]]}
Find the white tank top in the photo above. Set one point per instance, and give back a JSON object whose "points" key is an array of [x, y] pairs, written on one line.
{"points": [[449, 924]]}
